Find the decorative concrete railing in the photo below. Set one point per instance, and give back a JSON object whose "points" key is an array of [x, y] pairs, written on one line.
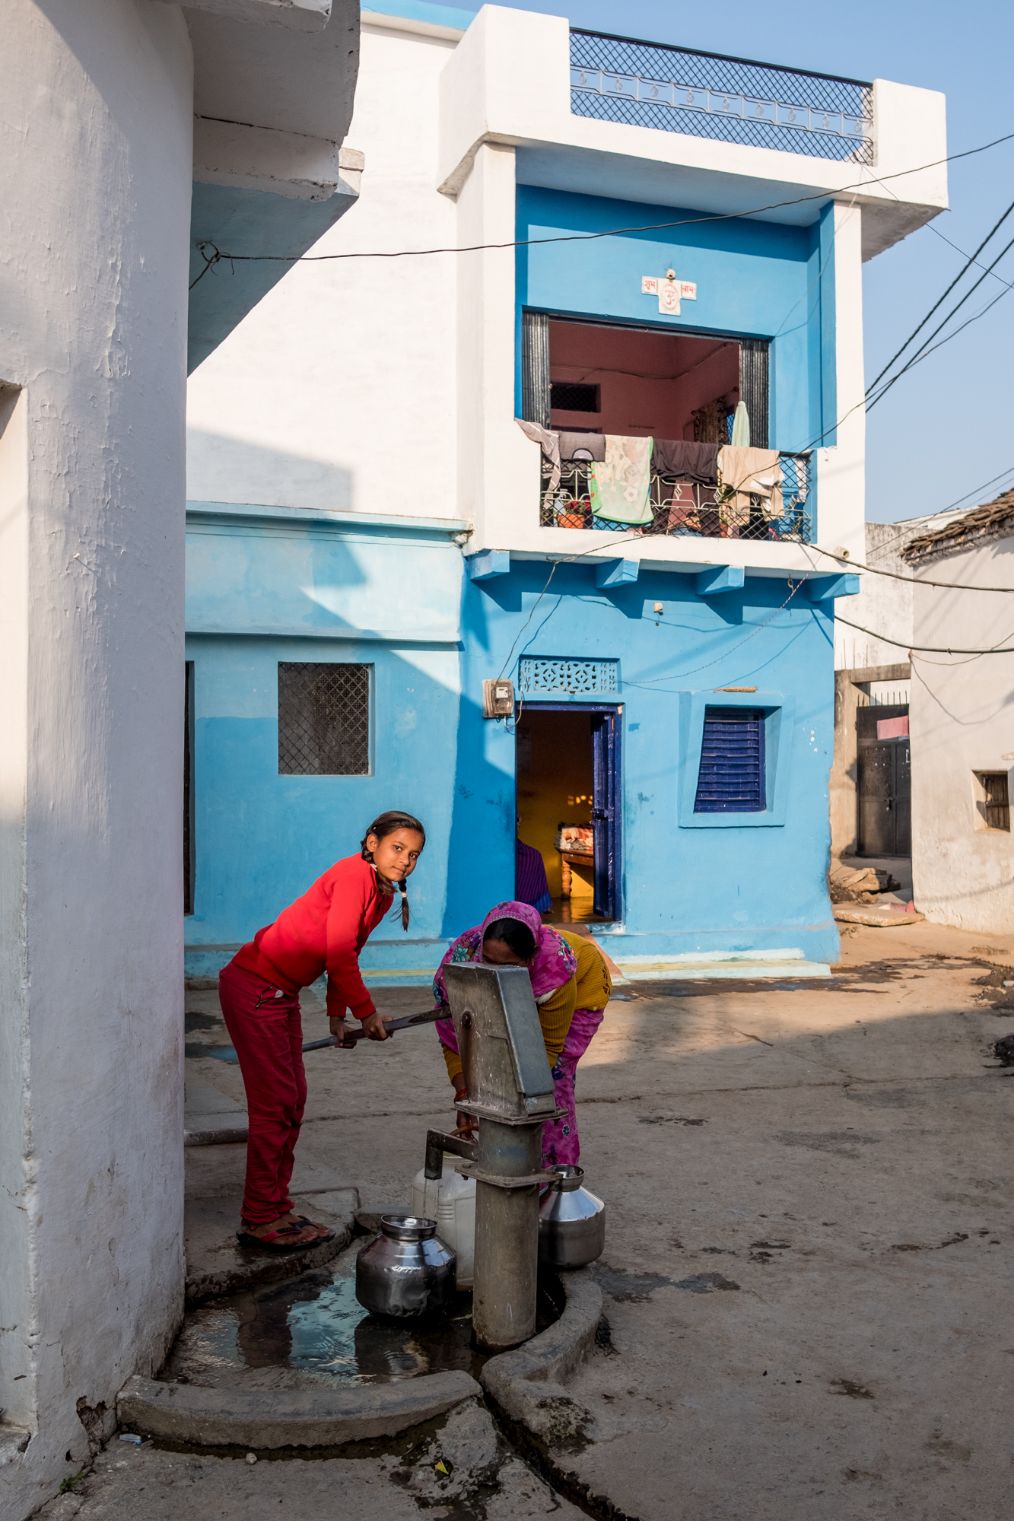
{"points": [[683, 507], [734, 100]]}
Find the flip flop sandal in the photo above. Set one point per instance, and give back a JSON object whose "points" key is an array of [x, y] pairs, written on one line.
{"points": [[324, 1232], [280, 1240]]}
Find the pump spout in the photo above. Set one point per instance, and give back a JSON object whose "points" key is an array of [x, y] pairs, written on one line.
{"points": [[437, 1143]]}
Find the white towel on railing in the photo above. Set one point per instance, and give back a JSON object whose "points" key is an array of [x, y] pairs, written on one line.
{"points": [[549, 443], [748, 472]]}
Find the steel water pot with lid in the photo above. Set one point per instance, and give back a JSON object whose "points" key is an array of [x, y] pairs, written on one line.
{"points": [[572, 1221], [406, 1270]]}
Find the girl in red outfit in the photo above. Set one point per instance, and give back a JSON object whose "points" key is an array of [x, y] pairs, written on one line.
{"points": [[323, 931]]}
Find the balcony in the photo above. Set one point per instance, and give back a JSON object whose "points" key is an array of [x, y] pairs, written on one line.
{"points": [[711, 95], [684, 508]]}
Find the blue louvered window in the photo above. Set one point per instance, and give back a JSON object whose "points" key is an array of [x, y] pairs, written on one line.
{"points": [[731, 775]]}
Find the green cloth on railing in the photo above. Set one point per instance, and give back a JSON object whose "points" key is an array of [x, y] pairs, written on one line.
{"points": [[621, 483]]}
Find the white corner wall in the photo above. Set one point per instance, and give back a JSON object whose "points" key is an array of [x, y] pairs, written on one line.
{"points": [[95, 186], [961, 719], [338, 391]]}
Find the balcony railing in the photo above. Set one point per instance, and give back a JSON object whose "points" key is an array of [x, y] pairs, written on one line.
{"points": [[683, 507], [734, 100]]}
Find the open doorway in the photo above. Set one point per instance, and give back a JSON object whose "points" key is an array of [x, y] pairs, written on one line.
{"points": [[567, 760]]}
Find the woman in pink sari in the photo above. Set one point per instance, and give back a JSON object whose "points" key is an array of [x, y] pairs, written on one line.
{"points": [[571, 986]]}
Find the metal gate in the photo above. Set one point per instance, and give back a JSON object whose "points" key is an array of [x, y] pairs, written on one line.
{"points": [[883, 786]]}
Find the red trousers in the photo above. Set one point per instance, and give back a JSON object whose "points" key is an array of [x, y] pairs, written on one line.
{"points": [[266, 1030]]}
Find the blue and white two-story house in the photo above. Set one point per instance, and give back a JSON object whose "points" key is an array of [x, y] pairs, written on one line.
{"points": [[531, 529]]}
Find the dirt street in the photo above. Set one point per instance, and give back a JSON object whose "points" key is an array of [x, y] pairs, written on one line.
{"points": [[807, 1272]]}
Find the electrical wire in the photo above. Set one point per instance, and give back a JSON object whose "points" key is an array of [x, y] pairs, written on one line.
{"points": [[969, 260], [876, 570], [217, 255], [929, 649], [887, 545], [924, 350]]}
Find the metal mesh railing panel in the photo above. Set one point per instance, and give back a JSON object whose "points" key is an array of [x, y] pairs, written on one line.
{"points": [[734, 100], [323, 719], [684, 507]]}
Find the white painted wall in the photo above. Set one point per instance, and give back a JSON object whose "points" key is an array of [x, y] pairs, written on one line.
{"points": [[339, 390], [883, 604], [962, 720], [95, 177], [387, 385]]}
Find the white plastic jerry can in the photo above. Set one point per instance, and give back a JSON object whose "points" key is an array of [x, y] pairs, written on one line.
{"points": [[450, 1201]]}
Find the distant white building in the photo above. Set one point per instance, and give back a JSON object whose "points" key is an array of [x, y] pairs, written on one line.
{"points": [[962, 719]]}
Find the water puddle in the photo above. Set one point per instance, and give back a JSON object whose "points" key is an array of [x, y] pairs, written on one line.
{"points": [[312, 1330]]}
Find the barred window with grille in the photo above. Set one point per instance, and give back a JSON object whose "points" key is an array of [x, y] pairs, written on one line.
{"points": [[993, 799], [323, 718], [731, 777]]}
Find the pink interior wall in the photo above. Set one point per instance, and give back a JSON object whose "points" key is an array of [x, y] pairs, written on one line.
{"points": [[650, 383]]}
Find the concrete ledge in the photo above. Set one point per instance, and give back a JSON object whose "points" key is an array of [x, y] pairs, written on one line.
{"points": [[217, 1264], [269, 1419], [526, 1385]]}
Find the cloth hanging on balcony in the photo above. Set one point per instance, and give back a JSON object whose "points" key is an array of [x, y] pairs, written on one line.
{"points": [[749, 473], [687, 461], [740, 427], [587, 445], [621, 483], [710, 422], [549, 443]]}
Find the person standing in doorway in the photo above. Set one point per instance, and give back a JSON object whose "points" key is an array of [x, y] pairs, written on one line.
{"points": [[323, 931], [571, 986]]}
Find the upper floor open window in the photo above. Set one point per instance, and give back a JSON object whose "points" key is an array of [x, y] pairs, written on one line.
{"points": [[647, 382]]}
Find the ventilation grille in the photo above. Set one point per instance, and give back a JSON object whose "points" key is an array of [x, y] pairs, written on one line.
{"points": [[542, 674], [731, 776], [323, 719]]}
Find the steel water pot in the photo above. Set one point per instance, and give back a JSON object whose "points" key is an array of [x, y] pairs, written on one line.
{"points": [[572, 1221], [406, 1270]]}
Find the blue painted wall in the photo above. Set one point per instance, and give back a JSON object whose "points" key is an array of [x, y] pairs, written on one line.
{"points": [[689, 884], [754, 279], [261, 591]]}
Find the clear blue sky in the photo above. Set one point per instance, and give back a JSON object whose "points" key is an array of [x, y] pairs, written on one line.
{"points": [[946, 426]]}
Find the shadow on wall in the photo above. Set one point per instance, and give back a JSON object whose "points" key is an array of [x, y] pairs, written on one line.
{"points": [[225, 469], [260, 595]]}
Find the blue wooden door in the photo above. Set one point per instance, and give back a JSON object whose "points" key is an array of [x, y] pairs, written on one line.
{"points": [[605, 812]]}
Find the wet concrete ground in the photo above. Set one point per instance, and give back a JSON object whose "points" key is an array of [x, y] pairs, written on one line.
{"points": [[312, 1331], [807, 1272]]}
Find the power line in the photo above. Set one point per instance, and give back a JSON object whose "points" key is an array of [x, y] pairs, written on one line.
{"points": [[879, 549], [969, 260], [217, 256], [878, 570], [924, 351], [928, 649]]}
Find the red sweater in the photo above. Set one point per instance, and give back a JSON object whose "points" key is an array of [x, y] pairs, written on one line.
{"points": [[323, 931]]}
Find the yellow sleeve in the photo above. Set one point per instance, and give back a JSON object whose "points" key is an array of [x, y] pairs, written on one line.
{"points": [[453, 1061], [555, 1016]]}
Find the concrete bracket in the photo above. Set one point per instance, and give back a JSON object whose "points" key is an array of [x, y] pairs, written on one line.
{"points": [[719, 580], [617, 573], [827, 588], [487, 564]]}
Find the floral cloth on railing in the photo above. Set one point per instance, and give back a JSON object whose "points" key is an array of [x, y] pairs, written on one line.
{"points": [[621, 483]]}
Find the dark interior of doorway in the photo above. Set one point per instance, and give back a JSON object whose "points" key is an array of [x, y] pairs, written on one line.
{"points": [[883, 785], [555, 803]]}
